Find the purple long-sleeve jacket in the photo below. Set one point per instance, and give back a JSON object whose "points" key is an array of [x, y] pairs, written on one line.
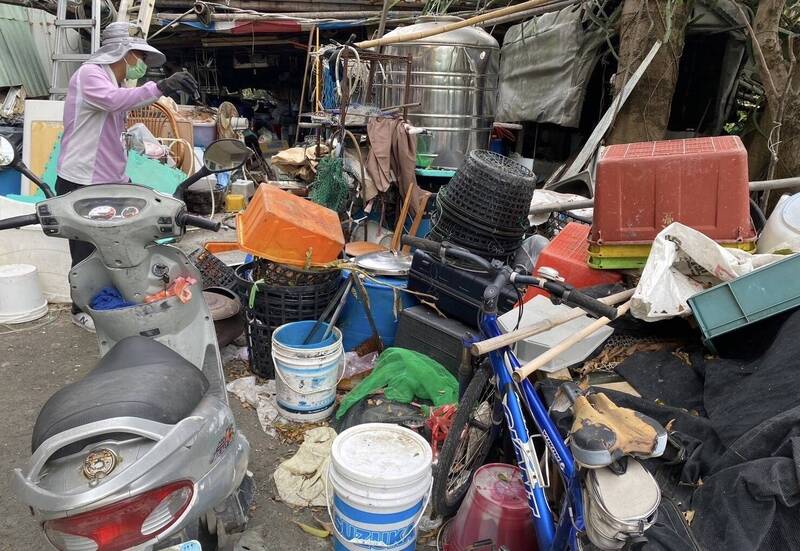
{"points": [[92, 150]]}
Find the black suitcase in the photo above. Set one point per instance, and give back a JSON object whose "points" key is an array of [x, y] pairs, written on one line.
{"points": [[458, 293]]}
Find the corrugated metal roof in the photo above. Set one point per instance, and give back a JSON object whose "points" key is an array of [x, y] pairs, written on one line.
{"points": [[21, 63]]}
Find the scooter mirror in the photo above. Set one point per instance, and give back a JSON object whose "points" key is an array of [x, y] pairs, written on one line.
{"points": [[7, 152], [225, 155]]}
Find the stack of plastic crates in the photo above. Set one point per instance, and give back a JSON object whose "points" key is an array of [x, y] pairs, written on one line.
{"points": [[485, 206], [641, 188], [281, 294]]}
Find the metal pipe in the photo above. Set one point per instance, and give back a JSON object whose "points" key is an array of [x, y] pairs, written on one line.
{"points": [[758, 185], [764, 185], [244, 17]]}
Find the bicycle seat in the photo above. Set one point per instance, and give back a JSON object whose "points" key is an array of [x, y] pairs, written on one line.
{"points": [[603, 433]]}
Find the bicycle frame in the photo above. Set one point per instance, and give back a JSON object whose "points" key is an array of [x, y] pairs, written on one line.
{"points": [[550, 536]]}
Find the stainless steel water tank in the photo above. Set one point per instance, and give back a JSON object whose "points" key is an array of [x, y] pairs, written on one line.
{"points": [[454, 78]]}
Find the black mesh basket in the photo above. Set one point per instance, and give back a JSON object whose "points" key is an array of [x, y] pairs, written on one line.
{"points": [[289, 276], [274, 306], [491, 189], [456, 215], [482, 244], [259, 348], [214, 271]]}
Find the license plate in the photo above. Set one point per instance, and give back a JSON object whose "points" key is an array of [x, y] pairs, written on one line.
{"points": [[193, 545]]}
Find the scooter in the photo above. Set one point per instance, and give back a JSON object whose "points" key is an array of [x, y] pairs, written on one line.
{"points": [[143, 452]]}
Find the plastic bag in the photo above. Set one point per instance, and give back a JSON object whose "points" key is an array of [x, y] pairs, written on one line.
{"points": [[682, 263]]}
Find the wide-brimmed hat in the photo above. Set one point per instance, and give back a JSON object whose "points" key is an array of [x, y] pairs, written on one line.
{"points": [[120, 38]]}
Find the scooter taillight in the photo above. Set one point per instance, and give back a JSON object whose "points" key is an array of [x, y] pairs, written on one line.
{"points": [[124, 524]]}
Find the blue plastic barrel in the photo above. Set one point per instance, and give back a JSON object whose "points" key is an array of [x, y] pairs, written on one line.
{"points": [[386, 303]]}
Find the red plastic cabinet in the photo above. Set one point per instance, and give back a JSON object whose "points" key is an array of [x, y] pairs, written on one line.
{"points": [[643, 187]]}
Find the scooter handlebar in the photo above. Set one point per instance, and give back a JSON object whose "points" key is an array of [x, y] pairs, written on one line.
{"points": [[19, 221], [198, 222]]}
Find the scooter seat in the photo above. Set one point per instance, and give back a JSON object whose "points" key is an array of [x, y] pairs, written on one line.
{"points": [[138, 377]]}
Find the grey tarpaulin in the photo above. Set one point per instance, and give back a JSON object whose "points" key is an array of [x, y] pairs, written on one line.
{"points": [[545, 64]]}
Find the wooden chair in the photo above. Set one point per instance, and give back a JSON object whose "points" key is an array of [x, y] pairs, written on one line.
{"points": [[359, 248]]}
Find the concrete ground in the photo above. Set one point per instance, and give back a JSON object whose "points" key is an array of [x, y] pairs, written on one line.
{"points": [[38, 358]]}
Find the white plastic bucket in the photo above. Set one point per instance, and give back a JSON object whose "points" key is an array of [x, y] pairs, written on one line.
{"points": [[782, 231], [378, 484], [306, 375], [21, 296]]}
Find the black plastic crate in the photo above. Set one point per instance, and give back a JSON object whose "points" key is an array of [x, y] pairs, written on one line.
{"points": [[214, 271], [423, 330], [458, 293]]}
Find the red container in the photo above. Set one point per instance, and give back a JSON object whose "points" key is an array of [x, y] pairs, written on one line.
{"points": [[494, 513], [643, 187], [568, 253]]}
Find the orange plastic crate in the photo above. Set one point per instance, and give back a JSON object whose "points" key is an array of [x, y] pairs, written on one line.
{"points": [[289, 230]]}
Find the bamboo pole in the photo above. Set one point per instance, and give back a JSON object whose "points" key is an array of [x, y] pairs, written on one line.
{"points": [[318, 65], [494, 14], [496, 343], [305, 82], [758, 185], [540, 361]]}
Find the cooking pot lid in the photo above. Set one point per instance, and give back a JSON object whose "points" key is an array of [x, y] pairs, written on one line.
{"points": [[223, 303], [386, 263]]}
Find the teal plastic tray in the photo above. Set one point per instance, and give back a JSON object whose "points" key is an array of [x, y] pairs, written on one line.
{"points": [[762, 293]]}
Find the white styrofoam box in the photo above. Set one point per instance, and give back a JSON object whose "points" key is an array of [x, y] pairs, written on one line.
{"points": [[540, 309]]}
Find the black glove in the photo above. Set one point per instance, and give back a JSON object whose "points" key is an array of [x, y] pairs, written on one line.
{"points": [[179, 82]]}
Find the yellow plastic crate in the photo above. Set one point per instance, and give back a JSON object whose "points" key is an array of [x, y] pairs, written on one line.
{"points": [[634, 256]]}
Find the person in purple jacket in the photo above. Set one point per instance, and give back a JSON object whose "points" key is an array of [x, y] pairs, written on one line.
{"points": [[92, 147]]}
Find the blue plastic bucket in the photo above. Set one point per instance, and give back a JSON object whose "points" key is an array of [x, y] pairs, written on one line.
{"points": [[378, 485], [386, 301], [306, 375]]}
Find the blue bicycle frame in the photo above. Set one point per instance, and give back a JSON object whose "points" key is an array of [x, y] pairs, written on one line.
{"points": [[550, 536]]}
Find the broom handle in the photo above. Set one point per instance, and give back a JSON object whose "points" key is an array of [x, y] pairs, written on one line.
{"points": [[494, 14], [540, 361], [496, 343]]}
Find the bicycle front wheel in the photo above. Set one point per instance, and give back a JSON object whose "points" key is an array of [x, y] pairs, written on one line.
{"points": [[467, 444]]}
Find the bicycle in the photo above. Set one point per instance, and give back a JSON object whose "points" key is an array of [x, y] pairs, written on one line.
{"points": [[493, 397]]}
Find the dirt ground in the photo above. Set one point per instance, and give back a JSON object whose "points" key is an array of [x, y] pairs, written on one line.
{"points": [[37, 359]]}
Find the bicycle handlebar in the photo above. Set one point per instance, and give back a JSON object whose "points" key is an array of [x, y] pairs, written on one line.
{"points": [[504, 274]]}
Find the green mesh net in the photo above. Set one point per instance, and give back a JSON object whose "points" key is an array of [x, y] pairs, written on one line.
{"points": [[330, 188]]}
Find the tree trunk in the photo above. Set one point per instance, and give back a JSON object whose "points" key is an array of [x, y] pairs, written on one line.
{"points": [[645, 115], [781, 79]]}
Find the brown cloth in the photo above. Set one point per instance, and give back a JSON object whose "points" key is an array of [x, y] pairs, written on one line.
{"points": [[392, 158]]}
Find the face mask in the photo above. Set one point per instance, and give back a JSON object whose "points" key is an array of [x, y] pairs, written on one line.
{"points": [[137, 71]]}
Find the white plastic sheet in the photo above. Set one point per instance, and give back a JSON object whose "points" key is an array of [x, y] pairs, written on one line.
{"points": [[682, 263], [262, 398]]}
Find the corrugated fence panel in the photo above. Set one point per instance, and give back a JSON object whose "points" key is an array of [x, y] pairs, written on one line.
{"points": [[19, 57]]}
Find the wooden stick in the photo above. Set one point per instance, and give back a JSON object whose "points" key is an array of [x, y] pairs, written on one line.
{"points": [[401, 222], [415, 224], [496, 343], [494, 14], [540, 361]]}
